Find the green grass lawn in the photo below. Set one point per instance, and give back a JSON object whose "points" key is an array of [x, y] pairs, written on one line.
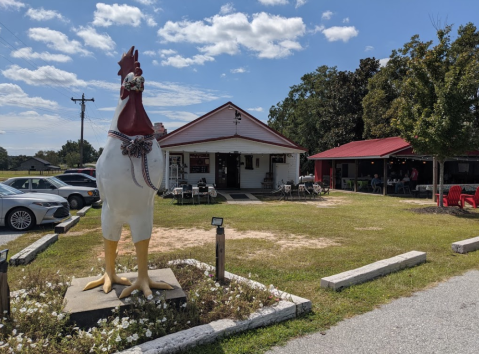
{"points": [[366, 228]]}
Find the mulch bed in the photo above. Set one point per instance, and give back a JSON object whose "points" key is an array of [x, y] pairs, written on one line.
{"points": [[439, 210]]}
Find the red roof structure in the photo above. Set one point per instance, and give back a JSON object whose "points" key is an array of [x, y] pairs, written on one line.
{"points": [[366, 149]]}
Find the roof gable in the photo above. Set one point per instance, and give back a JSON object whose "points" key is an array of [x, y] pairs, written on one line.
{"points": [[221, 123]]}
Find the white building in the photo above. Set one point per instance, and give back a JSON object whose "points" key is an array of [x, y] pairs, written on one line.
{"points": [[231, 148]]}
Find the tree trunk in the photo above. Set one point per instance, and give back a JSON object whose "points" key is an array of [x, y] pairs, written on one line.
{"points": [[441, 182]]}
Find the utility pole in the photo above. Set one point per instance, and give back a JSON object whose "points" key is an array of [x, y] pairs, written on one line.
{"points": [[83, 100]]}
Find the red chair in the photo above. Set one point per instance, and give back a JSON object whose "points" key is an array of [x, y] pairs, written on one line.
{"points": [[453, 198], [471, 199]]}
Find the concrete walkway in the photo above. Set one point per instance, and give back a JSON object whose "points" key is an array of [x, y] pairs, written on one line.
{"points": [[444, 319], [7, 235]]}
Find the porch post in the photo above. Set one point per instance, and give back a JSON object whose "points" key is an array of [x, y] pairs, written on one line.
{"points": [[356, 167], [434, 179], [385, 176], [332, 182], [167, 170]]}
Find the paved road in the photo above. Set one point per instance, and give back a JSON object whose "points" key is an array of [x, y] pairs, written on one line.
{"points": [[444, 319], [7, 235]]}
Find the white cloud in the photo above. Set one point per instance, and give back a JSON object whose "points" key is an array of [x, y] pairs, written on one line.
{"points": [[368, 48], [238, 71], [107, 109], [44, 15], [150, 21], [223, 75], [107, 15], [326, 15], [384, 61], [94, 39], [150, 53], [317, 29], [180, 62], [269, 36], [57, 40], [146, 2], [300, 3], [257, 109], [346, 20], [43, 75], [167, 52], [273, 2], [344, 34], [155, 62], [177, 115], [6, 4], [13, 95], [28, 53], [166, 94], [227, 9]]}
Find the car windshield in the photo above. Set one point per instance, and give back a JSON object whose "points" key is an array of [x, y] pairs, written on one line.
{"points": [[56, 182], [7, 190]]}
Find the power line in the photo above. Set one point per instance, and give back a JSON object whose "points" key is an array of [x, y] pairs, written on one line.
{"points": [[82, 100]]}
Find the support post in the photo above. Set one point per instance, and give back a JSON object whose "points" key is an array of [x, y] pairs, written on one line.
{"points": [[356, 170], [220, 254], [434, 179], [82, 100], [385, 176], [332, 182]]}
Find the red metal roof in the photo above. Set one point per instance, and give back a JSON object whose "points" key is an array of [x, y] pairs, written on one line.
{"points": [[364, 149]]}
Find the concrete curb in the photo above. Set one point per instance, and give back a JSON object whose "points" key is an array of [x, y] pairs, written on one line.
{"points": [[181, 341], [83, 211], [67, 225], [465, 246], [26, 255], [373, 270]]}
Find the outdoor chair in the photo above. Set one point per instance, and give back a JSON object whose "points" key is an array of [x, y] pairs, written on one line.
{"points": [[470, 199], [203, 192], [324, 188], [453, 198], [377, 187], [405, 188], [187, 193]]}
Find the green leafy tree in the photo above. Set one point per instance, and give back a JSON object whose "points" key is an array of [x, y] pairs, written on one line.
{"points": [[89, 152], [3, 159], [325, 109], [438, 102], [72, 159]]}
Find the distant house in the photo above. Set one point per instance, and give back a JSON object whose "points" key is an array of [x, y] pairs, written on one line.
{"points": [[37, 164]]}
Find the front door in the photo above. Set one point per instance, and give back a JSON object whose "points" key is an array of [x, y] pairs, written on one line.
{"points": [[227, 171]]}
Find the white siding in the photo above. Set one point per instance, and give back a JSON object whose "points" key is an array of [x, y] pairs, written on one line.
{"points": [[221, 124]]}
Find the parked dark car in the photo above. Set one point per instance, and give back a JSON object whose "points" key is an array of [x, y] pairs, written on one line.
{"points": [[87, 171], [21, 211], [78, 179]]}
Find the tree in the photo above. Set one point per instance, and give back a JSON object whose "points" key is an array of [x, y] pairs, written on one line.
{"points": [[3, 159], [325, 109], [438, 101], [72, 159], [89, 152]]}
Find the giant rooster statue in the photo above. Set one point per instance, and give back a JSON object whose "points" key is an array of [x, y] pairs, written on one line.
{"points": [[129, 171]]}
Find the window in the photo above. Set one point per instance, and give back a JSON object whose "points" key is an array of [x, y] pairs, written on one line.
{"points": [[199, 163], [248, 162], [21, 184], [278, 158], [39, 183]]}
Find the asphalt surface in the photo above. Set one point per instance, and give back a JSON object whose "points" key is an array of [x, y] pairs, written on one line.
{"points": [[444, 319], [7, 235]]}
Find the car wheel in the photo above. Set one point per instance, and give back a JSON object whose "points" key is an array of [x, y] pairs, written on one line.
{"points": [[76, 202], [21, 219]]}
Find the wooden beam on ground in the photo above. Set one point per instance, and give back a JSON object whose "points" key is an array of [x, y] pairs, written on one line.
{"points": [[373, 270], [26, 255], [83, 211], [67, 225]]}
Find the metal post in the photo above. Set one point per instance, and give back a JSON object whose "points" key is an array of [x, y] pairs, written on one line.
{"points": [[82, 100], [4, 288], [220, 254]]}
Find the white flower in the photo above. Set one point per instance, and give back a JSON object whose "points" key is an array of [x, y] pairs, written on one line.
{"points": [[184, 305], [19, 347], [129, 339], [118, 338], [135, 336], [163, 319], [149, 297], [206, 273], [148, 333], [61, 316], [125, 324], [54, 314], [134, 292]]}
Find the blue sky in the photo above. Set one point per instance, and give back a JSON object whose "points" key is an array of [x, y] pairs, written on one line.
{"points": [[195, 54]]}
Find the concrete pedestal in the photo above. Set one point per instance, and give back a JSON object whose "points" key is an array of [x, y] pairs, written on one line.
{"points": [[87, 307]]}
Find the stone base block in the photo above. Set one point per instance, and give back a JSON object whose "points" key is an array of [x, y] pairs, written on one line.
{"points": [[87, 307], [465, 246], [373, 270]]}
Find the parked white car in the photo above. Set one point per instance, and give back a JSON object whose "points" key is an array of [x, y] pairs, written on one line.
{"points": [[77, 196]]}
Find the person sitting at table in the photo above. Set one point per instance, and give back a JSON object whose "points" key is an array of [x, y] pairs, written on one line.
{"points": [[376, 182], [401, 183]]}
